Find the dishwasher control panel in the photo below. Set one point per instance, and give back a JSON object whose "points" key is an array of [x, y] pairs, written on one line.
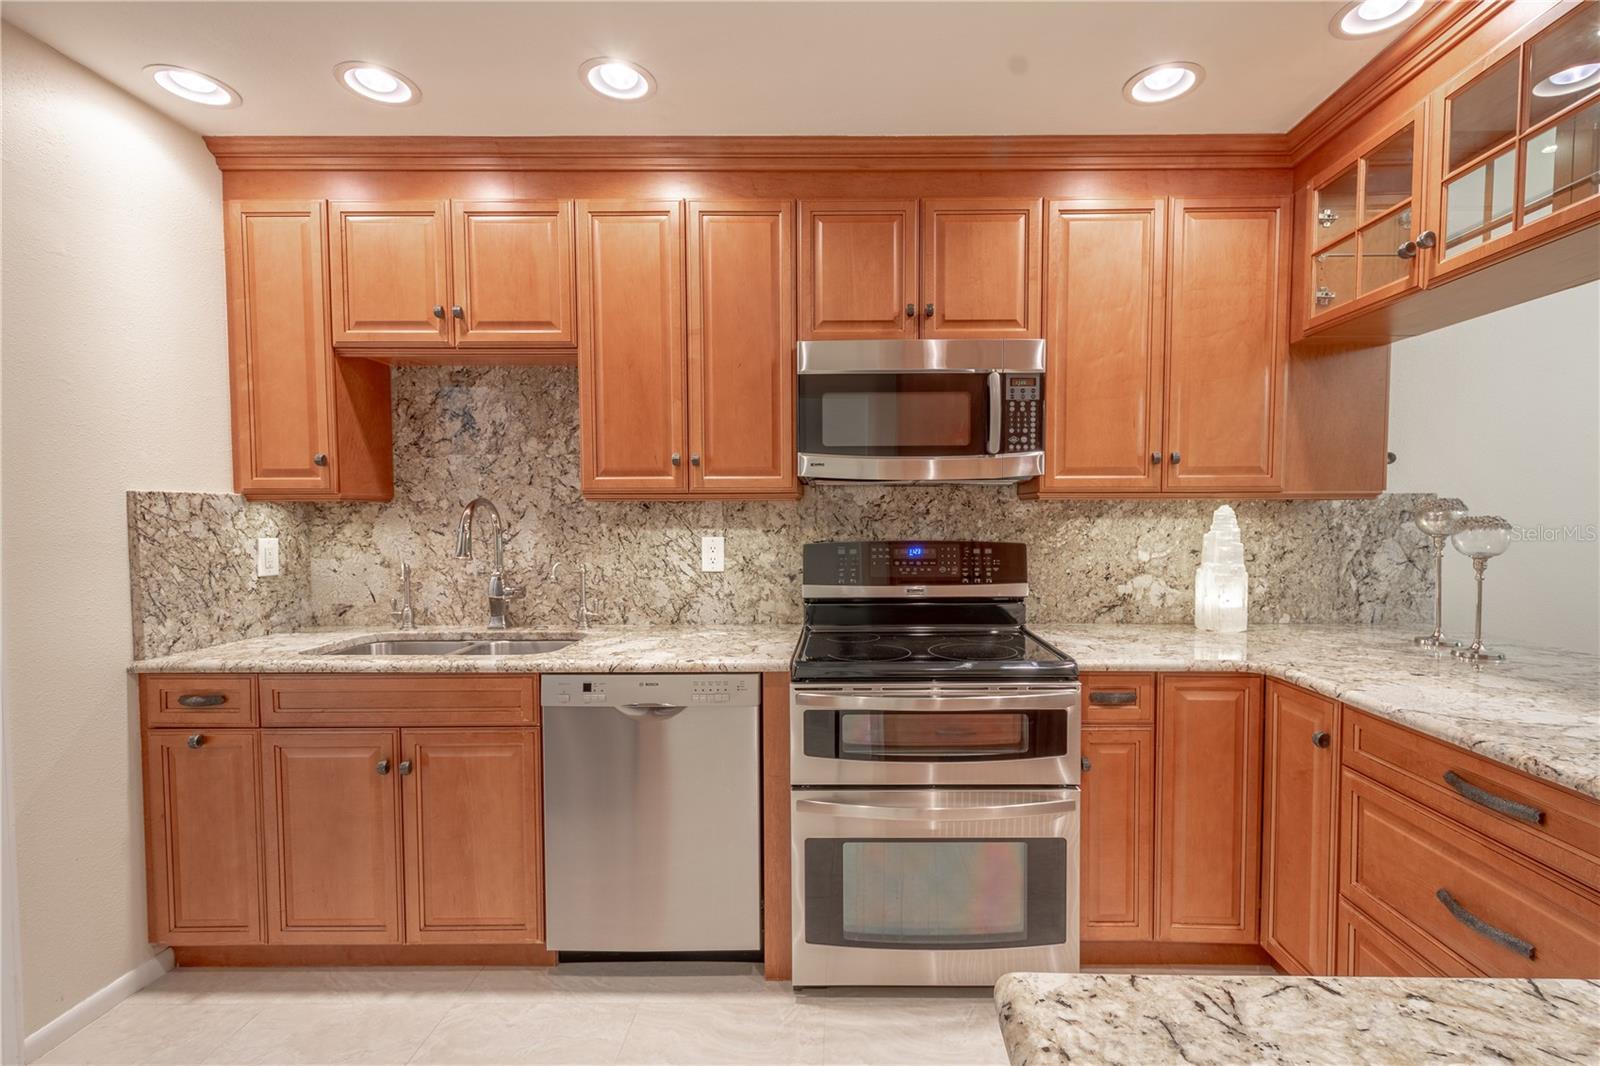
{"points": [[620, 690]]}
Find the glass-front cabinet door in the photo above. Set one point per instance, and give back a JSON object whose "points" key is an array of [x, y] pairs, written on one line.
{"points": [[1364, 231], [1521, 143]]}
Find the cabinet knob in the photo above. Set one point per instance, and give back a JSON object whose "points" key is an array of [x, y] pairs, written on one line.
{"points": [[911, 310], [694, 460], [1427, 239], [1155, 458], [1320, 738], [196, 740], [455, 311], [438, 310], [1408, 250], [928, 310], [677, 460], [405, 767], [320, 459], [383, 766], [1176, 458]]}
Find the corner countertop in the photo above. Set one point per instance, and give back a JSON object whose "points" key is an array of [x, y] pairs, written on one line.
{"points": [[1049, 1019], [1538, 711]]}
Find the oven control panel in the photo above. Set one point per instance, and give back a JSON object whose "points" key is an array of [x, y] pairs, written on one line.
{"points": [[915, 562], [1022, 416]]}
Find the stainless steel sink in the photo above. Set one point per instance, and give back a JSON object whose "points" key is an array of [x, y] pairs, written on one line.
{"points": [[453, 647]]}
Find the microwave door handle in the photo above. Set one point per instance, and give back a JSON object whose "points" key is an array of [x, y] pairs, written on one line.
{"points": [[994, 412], [935, 814]]}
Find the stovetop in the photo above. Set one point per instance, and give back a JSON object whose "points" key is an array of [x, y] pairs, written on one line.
{"points": [[955, 653]]}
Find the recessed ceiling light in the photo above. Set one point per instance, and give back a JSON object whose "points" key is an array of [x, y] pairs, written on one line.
{"points": [[1166, 81], [382, 84], [1572, 80], [193, 85], [617, 78], [1362, 18]]}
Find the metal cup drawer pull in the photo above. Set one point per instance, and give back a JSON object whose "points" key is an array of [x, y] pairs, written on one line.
{"points": [[1117, 698], [1522, 812], [1483, 928], [202, 699]]}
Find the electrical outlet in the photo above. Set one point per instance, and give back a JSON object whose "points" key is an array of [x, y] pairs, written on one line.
{"points": [[267, 557], [711, 554]]}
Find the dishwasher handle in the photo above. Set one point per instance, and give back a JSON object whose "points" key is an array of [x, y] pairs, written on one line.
{"points": [[651, 710]]}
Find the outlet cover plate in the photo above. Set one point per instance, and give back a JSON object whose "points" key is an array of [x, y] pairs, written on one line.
{"points": [[711, 558]]}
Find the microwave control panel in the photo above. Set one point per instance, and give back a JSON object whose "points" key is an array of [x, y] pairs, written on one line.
{"points": [[1023, 413]]}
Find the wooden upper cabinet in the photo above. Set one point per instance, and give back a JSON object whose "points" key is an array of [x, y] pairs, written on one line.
{"points": [[1300, 829], [631, 347], [513, 273], [1227, 345], [473, 863], [280, 362], [1104, 303], [332, 835], [1208, 808], [858, 270], [981, 267], [741, 346], [391, 273], [202, 845], [1118, 833]]}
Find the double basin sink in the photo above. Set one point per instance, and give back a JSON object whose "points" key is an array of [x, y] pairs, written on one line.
{"points": [[403, 646]]}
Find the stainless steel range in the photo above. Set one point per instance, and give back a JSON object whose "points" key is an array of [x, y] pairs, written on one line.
{"points": [[934, 757]]}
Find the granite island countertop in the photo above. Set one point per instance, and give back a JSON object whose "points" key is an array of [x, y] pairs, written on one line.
{"points": [[1538, 711], [1143, 1020]]}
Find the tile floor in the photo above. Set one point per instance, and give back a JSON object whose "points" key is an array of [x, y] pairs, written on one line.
{"points": [[572, 1014]]}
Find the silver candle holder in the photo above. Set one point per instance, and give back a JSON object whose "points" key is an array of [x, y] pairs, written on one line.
{"points": [[1437, 517], [1480, 538]]}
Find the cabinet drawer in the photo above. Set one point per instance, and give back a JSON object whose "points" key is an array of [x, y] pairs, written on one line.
{"points": [[1543, 821], [1434, 883], [1119, 699], [212, 700], [1366, 949], [398, 700]]}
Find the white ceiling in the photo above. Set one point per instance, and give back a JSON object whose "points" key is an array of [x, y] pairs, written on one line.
{"points": [[778, 68]]}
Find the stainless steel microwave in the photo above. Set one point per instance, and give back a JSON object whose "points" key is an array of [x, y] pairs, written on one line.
{"points": [[921, 411]]}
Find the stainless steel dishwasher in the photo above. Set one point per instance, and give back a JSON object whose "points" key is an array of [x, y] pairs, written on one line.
{"points": [[652, 812]]}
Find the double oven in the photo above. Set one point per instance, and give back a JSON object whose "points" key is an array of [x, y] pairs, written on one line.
{"points": [[934, 759]]}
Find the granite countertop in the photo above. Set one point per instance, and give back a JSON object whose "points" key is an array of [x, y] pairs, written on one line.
{"points": [[1538, 711], [1142, 1020]]}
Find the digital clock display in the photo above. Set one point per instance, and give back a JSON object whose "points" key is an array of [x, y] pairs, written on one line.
{"points": [[911, 551]]}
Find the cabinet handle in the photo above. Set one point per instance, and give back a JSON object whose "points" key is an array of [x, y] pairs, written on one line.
{"points": [[1118, 698], [1083, 761], [1155, 458], [1522, 812], [677, 460], [1427, 239], [1483, 928], [911, 310], [203, 699], [383, 766], [1320, 738], [1408, 250], [694, 460], [405, 767], [1176, 458], [438, 310], [320, 459], [456, 312], [928, 310], [196, 740]]}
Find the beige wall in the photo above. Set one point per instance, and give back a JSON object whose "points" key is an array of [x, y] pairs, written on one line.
{"points": [[115, 378], [1504, 412]]}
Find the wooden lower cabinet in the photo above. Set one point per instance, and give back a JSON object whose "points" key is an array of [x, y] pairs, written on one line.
{"points": [[1365, 949], [1117, 833], [1208, 808], [202, 850], [1300, 828]]}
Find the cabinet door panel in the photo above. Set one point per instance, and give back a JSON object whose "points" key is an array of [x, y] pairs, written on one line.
{"points": [[1226, 344], [391, 278], [473, 843], [631, 346], [1299, 829], [1104, 346], [980, 268], [279, 356], [1208, 809], [858, 264], [1118, 834], [1366, 949], [203, 837], [513, 265], [741, 346], [333, 836]]}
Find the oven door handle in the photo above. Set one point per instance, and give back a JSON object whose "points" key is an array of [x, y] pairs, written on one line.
{"points": [[935, 814], [1057, 699], [994, 412]]}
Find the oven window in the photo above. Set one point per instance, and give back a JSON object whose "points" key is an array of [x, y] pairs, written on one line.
{"points": [[894, 414], [936, 894], [911, 735]]}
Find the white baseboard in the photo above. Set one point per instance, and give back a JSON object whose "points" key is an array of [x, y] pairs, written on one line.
{"points": [[87, 1010]]}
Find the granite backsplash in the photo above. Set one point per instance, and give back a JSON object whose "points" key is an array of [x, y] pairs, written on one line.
{"points": [[511, 433]]}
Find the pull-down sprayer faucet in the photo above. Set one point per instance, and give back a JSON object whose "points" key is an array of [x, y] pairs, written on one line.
{"points": [[499, 591]]}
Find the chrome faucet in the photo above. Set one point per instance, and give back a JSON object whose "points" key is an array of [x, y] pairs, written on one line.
{"points": [[499, 591], [403, 614], [581, 617]]}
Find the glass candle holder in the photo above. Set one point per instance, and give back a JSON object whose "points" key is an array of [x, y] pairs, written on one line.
{"points": [[1437, 516], [1480, 538]]}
